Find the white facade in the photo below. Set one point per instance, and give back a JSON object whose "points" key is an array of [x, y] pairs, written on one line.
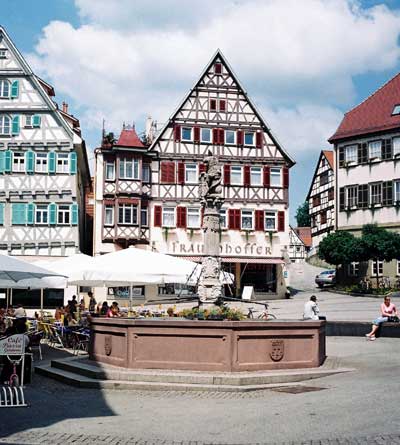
{"points": [[297, 249]]}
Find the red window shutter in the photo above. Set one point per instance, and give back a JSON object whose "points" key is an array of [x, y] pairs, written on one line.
{"points": [[227, 174], [221, 132], [181, 217], [171, 173], [213, 104], [218, 68], [196, 134], [258, 140], [164, 172], [281, 221], [267, 176], [237, 219], [231, 219], [177, 133], [259, 220], [157, 216], [181, 173], [222, 105], [215, 136], [246, 175], [285, 177], [239, 137], [201, 216], [202, 168]]}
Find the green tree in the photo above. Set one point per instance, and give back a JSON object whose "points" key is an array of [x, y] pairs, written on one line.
{"points": [[303, 215], [340, 248]]}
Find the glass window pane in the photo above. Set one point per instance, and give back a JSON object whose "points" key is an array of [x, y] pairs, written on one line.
{"points": [[186, 134], [248, 138], [191, 173], [236, 175], [205, 135], [275, 177], [256, 176], [229, 137], [270, 220]]}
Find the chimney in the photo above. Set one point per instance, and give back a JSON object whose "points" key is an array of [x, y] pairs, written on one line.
{"points": [[65, 107], [149, 129]]}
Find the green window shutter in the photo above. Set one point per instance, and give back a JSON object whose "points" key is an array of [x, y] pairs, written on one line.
{"points": [[1, 213], [2, 159], [15, 125], [7, 161], [36, 120], [52, 162], [18, 213], [31, 213], [15, 89], [30, 161], [53, 213], [72, 163], [74, 214]]}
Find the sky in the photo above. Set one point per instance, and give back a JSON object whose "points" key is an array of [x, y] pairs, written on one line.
{"points": [[303, 63]]}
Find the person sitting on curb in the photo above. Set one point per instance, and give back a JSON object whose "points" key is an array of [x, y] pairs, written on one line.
{"points": [[311, 310], [388, 310]]}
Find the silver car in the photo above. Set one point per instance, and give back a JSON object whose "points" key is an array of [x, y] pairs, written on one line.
{"points": [[327, 277]]}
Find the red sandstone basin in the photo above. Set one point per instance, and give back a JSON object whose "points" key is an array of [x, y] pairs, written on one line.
{"points": [[228, 346]]}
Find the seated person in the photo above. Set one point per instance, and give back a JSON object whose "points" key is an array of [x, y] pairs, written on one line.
{"points": [[104, 309], [388, 310], [71, 322], [114, 310]]}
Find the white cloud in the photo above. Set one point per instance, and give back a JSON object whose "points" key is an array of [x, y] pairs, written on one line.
{"points": [[297, 59]]}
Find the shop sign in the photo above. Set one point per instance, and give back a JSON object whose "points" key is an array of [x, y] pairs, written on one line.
{"points": [[226, 249], [13, 345]]}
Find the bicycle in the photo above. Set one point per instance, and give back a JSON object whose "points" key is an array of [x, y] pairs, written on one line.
{"points": [[14, 378], [264, 315]]}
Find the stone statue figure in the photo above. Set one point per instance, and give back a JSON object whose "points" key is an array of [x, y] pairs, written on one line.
{"points": [[210, 194]]}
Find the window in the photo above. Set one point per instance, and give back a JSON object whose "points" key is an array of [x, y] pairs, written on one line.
{"points": [[218, 68], [351, 153], [5, 125], [41, 163], [168, 217], [191, 173], [247, 219], [230, 137], [397, 191], [376, 194], [18, 162], [110, 171], [352, 196], [331, 194], [354, 268], [3, 53], [316, 201], [380, 268], [248, 138], [28, 120], [222, 105], [396, 147], [127, 214], [129, 168], [205, 135], [4, 89], [222, 216], [109, 215], [236, 175], [186, 134], [270, 220], [398, 267], [193, 218], [213, 105], [396, 110], [255, 176], [374, 149], [41, 214], [324, 178], [144, 222], [276, 177], [323, 217], [146, 173], [63, 216], [62, 163]]}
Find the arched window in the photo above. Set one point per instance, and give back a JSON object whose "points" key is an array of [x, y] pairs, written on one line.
{"points": [[5, 125], [4, 88]]}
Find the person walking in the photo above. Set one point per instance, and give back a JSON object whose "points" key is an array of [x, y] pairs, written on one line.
{"points": [[388, 312], [311, 310]]}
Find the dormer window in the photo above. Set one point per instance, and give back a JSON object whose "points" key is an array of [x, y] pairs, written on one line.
{"points": [[218, 68], [396, 110]]}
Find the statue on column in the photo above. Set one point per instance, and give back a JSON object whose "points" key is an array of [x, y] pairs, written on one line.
{"points": [[210, 194]]}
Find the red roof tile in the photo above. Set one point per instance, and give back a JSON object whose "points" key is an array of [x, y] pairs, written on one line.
{"points": [[372, 115], [329, 156], [304, 233], [129, 138]]}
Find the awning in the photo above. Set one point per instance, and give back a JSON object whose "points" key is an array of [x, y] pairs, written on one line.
{"points": [[236, 259]]}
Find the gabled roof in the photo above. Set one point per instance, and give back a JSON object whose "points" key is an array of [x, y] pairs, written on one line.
{"points": [[129, 138], [218, 55], [374, 114], [304, 233], [329, 155]]}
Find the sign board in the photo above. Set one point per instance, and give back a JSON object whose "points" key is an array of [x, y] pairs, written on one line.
{"points": [[2, 296], [13, 345], [248, 293]]}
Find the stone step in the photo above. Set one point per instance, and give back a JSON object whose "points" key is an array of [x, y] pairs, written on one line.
{"points": [[81, 381]]}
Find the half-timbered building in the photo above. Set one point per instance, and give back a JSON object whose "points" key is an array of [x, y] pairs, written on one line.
{"points": [[43, 164], [367, 156], [299, 243], [218, 116], [321, 198]]}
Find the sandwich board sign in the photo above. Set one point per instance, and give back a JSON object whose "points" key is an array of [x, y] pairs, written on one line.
{"points": [[12, 345], [248, 293]]}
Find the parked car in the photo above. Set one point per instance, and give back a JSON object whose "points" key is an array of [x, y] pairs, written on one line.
{"points": [[327, 277]]}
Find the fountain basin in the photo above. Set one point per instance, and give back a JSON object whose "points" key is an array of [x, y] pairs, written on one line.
{"points": [[227, 346]]}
